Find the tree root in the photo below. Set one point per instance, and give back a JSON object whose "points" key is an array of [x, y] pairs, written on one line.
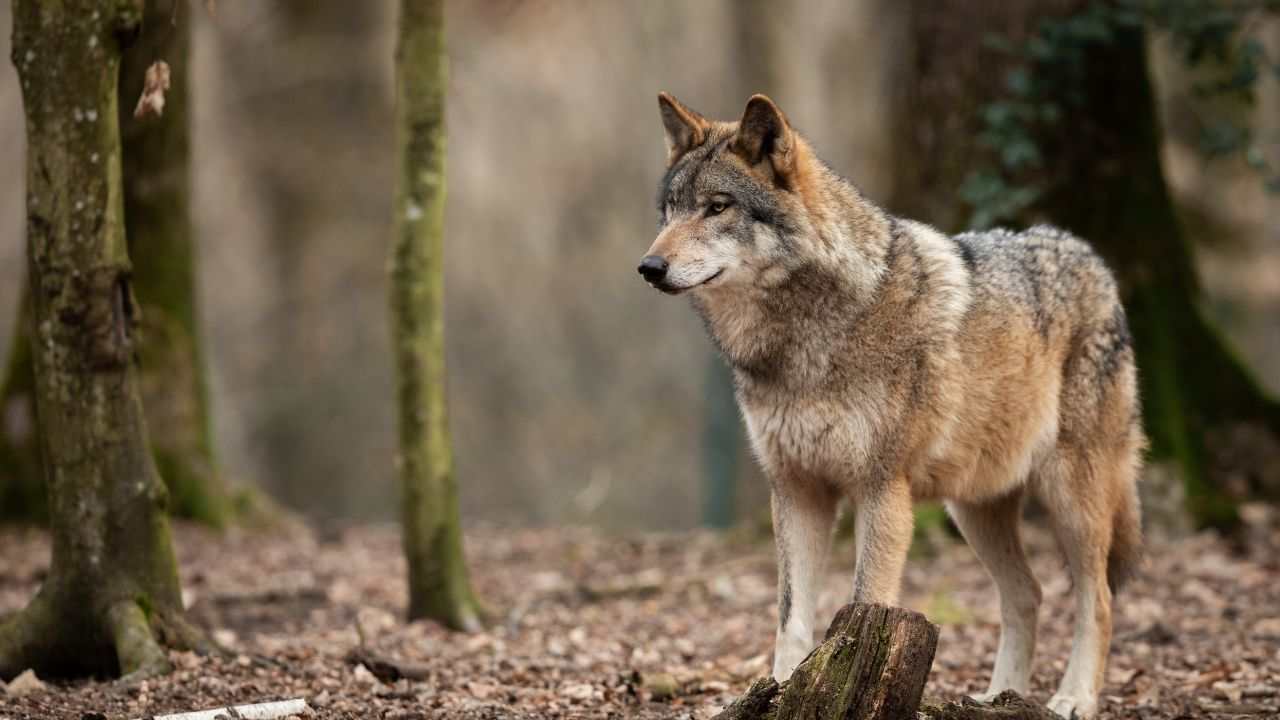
{"points": [[139, 655], [45, 638], [22, 638], [176, 631], [756, 703]]}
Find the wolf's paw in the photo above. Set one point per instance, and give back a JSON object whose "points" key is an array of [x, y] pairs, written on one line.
{"points": [[1073, 707]]}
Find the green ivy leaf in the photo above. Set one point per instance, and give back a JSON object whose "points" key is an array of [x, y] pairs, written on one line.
{"points": [[1020, 153], [1253, 156], [1018, 81]]}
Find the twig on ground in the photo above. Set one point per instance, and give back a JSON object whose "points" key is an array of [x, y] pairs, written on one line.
{"points": [[258, 711]]}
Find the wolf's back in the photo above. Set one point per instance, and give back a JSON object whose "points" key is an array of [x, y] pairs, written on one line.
{"points": [[1047, 273]]}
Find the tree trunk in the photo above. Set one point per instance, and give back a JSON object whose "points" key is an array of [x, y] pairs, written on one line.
{"points": [[871, 666], [112, 592], [438, 585], [1107, 186], [22, 493], [157, 190], [156, 172], [1193, 385]]}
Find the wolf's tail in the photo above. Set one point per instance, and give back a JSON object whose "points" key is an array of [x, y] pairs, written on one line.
{"points": [[1125, 556]]}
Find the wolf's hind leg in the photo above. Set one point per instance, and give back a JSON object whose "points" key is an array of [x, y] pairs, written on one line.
{"points": [[1075, 494], [803, 514], [991, 529]]}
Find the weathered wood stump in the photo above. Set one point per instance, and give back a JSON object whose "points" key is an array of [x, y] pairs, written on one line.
{"points": [[872, 666]]}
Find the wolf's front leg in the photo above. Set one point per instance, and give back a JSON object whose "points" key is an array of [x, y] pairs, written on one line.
{"points": [[803, 513], [882, 538]]}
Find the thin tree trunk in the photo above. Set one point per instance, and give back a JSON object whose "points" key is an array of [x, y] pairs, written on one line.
{"points": [[156, 172], [157, 191], [438, 585], [112, 591]]}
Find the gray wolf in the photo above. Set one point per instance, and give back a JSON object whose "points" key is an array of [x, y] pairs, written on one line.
{"points": [[880, 361]]}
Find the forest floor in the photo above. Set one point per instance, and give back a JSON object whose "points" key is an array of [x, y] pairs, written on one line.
{"points": [[649, 626]]}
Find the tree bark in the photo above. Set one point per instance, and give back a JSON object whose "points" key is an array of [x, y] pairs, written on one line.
{"points": [[439, 588], [22, 493], [1108, 186], [157, 191], [871, 666], [112, 593], [156, 183]]}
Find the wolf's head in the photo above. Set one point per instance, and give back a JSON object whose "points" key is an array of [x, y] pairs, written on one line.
{"points": [[727, 204]]}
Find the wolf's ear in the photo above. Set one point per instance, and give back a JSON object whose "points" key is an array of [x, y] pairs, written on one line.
{"points": [[764, 134], [685, 128]]}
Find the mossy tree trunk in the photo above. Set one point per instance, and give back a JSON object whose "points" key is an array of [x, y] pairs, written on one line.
{"points": [[1195, 389], [156, 171], [439, 587], [157, 196], [1108, 186], [112, 595], [22, 493]]}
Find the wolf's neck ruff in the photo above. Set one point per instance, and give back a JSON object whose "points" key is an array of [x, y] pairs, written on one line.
{"points": [[830, 275]]}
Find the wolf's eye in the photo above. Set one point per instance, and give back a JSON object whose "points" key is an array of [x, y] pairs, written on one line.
{"points": [[717, 207]]}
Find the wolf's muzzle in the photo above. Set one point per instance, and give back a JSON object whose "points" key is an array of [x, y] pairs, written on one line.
{"points": [[653, 268]]}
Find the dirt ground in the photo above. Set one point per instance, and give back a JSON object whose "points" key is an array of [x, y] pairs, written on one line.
{"points": [[672, 626]]}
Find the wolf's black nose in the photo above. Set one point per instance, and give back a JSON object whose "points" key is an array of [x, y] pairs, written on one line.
{"points": [[653, 267]]}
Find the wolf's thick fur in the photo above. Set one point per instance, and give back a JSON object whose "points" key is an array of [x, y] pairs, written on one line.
{"points": [[879, 360]]}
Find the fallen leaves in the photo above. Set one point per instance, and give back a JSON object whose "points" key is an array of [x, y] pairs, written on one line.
{"points": [[154, 85], [25, 683], [652, 626]]}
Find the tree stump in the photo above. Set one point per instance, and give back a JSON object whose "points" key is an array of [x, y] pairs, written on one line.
{"points": [[872, 666]]}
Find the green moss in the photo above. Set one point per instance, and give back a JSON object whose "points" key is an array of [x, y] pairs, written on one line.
{"points": [[931, 529], [941, 608]]}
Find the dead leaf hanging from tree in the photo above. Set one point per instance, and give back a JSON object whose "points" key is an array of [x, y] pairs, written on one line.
{"points": [[154, 86]]}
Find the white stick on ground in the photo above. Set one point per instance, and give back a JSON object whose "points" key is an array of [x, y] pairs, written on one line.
{"points": [[259, 711]]}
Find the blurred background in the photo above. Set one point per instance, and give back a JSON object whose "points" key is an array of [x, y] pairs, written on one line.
{"points": [[577, 394]]}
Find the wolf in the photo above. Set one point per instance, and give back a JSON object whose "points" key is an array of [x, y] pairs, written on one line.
{"points": [[879, 361]]}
